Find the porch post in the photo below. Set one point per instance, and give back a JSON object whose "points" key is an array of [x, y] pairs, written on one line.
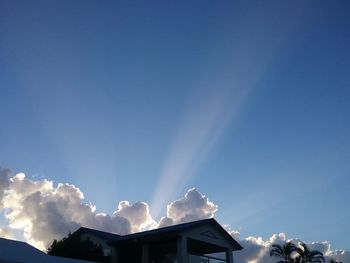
{"points": [[229, 257], [115, 255], [145, 253], [182, 252]]}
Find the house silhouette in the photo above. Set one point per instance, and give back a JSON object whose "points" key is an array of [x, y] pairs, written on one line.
{"points": [[203, 241]]}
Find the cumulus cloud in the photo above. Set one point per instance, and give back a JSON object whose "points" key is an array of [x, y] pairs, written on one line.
{"points": [[340, 255], [45, 212], [257, 250], [138, 215], [325, 248], [235, 234], [6, 233], [193, 206]]}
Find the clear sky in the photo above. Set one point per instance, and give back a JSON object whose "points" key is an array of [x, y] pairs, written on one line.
{"points": [[247, 101]]}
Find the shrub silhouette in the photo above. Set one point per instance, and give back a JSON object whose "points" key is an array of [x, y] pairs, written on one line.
{"points": [[73, 247]]}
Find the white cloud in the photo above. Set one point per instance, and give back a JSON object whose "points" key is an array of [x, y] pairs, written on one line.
{"points": [[257, 250], [6, 233], [235, 234], [193, 206], [137, 214], [45, 212], [341, 255]]}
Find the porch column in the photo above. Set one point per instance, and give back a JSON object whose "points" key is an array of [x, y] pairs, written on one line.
{"points": [[229, 257], [145, 253], [115, 255], [182, 253]]}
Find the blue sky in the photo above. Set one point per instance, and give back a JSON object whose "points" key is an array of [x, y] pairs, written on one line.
{"points": [[248, 101]]}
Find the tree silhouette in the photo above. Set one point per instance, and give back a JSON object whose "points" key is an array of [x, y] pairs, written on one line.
{"points": [[283, 252], [73, 247], [309, 256], [290, 253]]}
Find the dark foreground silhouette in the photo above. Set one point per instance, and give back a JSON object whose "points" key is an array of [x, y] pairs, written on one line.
{"points": [[73, 247], [291, 253]]}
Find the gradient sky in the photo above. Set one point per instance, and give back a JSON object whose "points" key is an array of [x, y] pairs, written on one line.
{"points": [[248, 101]]}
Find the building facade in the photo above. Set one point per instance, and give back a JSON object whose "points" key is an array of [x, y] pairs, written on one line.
{"points": [[203, 241]]}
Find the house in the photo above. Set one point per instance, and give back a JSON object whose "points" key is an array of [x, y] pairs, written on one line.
{"points": [[98, 237], [12, 251], [203, 241]]}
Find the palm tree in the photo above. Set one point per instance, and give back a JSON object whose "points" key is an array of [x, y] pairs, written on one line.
{"points": [[283, 252], [309, 256]]}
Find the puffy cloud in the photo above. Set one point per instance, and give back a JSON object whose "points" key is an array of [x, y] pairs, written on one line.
{"points": [[137, 214], [340, 255], [235, 234], [325, 248], [6, 233], [193, 206], [165, 221], [257, 250], [45, 212]]}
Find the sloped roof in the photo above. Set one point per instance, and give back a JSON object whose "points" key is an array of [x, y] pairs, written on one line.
{"points": [[109, 237], [177, 229], [17, 251]]}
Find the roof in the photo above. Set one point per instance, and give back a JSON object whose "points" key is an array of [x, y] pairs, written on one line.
{"points": [[109, 237], [17, 251], [179, 228]]}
